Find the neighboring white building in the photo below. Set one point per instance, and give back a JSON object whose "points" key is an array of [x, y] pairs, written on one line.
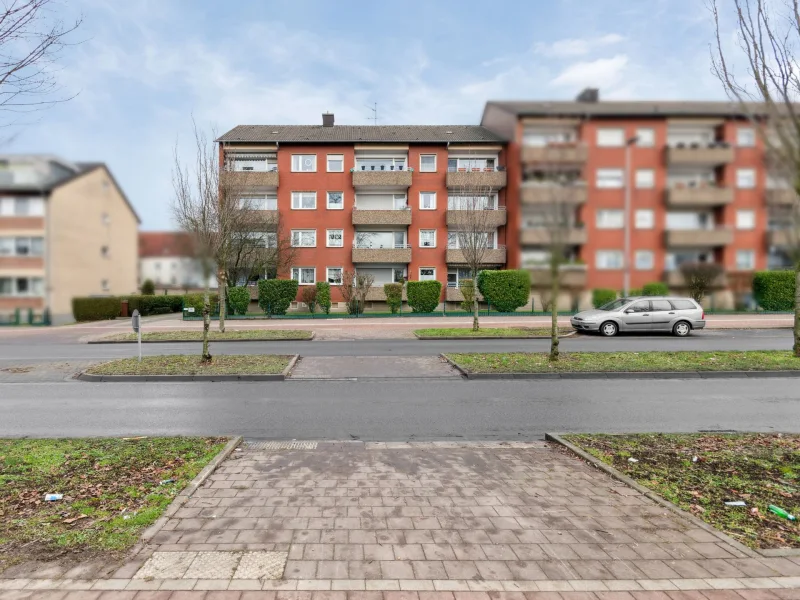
{"points": [[167, 258]]}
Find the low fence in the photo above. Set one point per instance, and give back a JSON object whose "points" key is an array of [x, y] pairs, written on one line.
{"points": [[25, 317]]}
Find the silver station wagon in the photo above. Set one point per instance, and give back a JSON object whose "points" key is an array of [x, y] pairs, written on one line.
{"points": [[654, 313]]}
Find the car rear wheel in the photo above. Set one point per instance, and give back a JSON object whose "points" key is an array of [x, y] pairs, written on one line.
{"points": [[609, 329], [681, 329]]}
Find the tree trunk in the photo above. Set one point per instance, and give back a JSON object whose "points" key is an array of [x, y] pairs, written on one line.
{"points": [[206, 357], [796, 346], [475, 309], [223, 300], [554, 310]]}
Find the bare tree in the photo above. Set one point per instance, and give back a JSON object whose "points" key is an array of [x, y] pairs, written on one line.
{"points": [[355, 287], [31, 41], [767, 93], [699, 278]]}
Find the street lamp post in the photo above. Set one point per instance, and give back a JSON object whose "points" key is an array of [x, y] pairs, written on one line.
{"points": [[626, 259]]}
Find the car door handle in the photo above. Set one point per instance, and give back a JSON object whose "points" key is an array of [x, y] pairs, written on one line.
{"points": [[646, 315], [672, 313]]}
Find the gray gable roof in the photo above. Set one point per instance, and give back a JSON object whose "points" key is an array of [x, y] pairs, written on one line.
{"points": [[435, 134], [633, 108]]}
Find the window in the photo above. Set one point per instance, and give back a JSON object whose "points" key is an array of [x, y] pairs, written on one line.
{"points": [[682, 304], [304, 163], [644, 260], [427, 274], [427, 163], [304, 275], [659, 305], [334, 275], [6, 246], [456, 276], [21, 207], [304, 238], [267, 202], [471, 164], [488, 202], [610, 219], [610, 178], [607, 137], [427, 238], [104, 285], [253, 162], [6, 287], [745, 219], [104, 252], [454, 239], [427, 200], [335, 238], [304, 200], [645, 178], [106, 219], [644, 219], [646, 137], [335, 163], [745, 137], [608, 259], [684, 221], [642, 306], [746, 260], [365, 163], [335, 200], [745, 179], [262, 239]]}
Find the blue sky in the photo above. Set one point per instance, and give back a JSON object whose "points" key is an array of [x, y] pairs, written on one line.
{"points": [[146, 67]]}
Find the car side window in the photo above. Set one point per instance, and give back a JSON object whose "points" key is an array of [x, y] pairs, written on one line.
{"points": [[640, 307], [661, 305], [683, 305]]}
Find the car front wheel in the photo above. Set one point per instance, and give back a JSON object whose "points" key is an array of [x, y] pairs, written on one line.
{"points": [[682, 329], [609, 329]]}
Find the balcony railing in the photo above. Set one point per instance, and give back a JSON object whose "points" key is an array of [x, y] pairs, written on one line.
{"points": [[394, 216], [556, 155], [261, 179], [782, 237], [491, 178], [366, 253], [570, 276], [378, 294], [492, 256], [703, 196], [391, 176], [533, 193], [491, 217], [698, 238], [543, 237], [715, 153], [781, 197], [675, 279]]}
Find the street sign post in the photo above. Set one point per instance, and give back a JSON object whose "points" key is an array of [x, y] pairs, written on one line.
{"points": [[136, 323]]}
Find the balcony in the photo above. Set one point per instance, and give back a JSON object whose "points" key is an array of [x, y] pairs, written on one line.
{"points": [[695, 154], [698, 238], [490, 218], [574, 236], [492, 256], [570, 276], [381, 217], [251, 179], [398, 254], [556, 155], [781, 197], [477, 179], [709, 196], [675, 279], [377, 294], [782, 237], [546, 194], [22, 223], [381, 176]]}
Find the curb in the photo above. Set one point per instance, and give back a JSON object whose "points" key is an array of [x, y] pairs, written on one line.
{"points": [[597, 463], [83, 376], [101, 341], [493, 337], [190, 489]]}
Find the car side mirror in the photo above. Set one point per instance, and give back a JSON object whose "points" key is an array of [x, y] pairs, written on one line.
{"points": [[629, 311]]}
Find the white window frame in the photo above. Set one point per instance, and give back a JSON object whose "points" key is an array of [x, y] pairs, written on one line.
{"points": [[746, 219], [328, 163], [328, 238], [299, 197], [745, 143], [435, 163], [641, 253], [328, 201], [427, 231], [300, 233], [600, 267], [608, 142], [651, 133], [298, 271], [299, 163], [328, 275], [607, 172], [607, 213], [751, 263], [421, 194], [245, 202], [648, 183], [650, 218], [745, 173], [427, 269]]}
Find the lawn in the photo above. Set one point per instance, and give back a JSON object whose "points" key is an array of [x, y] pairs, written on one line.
{"points": [[111, 490], [537, 362], [700, 472], [184, 364], [195, 334], [490, 332]]}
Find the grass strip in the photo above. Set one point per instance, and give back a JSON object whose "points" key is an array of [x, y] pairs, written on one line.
{"points": [[217, 336], [184, 364], [500, 332]]}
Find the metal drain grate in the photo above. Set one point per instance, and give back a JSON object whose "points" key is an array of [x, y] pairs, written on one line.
{"points": [[280, 445]]}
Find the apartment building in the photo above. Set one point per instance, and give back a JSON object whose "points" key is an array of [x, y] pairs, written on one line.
{"points": [[168, 259], [382, 200], [695, 180], [66, 230]]}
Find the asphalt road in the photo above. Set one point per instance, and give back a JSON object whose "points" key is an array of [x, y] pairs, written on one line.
{"points": [[17, 350], [398, 410]]}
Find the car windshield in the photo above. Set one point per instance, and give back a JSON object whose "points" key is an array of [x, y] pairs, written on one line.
{"points": [[615, 305]]}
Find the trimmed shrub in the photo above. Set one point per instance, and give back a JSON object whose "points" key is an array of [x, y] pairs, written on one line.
{"points": [[195, 301], [602, 296], [148, 287], [239, 299], [309, 297], [96, 309], [154, 305], [655, 288], [275, 296], [324, 296], [423, 296], [505, 290], [394, 296], [467, 287], [774, 290]]}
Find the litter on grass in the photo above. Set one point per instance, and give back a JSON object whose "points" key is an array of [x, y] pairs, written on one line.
{"points": [[633, 460], [736, 503], [53, 497]]}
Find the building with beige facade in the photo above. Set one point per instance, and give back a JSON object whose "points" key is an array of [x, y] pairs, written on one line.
{"points": [[66, 230]]}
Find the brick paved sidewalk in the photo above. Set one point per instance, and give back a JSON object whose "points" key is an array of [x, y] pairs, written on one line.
{"points": [[434, 521]]}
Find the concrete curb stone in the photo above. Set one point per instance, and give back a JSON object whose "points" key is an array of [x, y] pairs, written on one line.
{"points": [[493, 337], [102, 341]]}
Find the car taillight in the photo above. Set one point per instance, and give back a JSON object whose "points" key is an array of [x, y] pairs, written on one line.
{"points": [[703, 316]]}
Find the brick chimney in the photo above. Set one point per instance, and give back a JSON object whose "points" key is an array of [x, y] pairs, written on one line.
{"points": [[589, 95], [327, 119]]}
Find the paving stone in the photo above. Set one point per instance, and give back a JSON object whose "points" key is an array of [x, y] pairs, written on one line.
{"points": [[166, 565], [213, 565]]}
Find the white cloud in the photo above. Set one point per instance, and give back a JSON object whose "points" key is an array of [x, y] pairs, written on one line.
{"points": [[577, 46], [603, 72]]}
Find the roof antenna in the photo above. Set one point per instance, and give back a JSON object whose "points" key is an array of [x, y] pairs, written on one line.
{"points": [[374, 117]]}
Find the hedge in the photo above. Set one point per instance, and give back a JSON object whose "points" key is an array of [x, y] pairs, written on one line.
{"points": [[774, 290], [655, 288], [154, 305], [507, 290], [324, 296], [602, 296], [467, 287], [96, 309], [424, 296], [195, 301], [148, 287], [239, 299], [275, 296], [394, 296]]}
